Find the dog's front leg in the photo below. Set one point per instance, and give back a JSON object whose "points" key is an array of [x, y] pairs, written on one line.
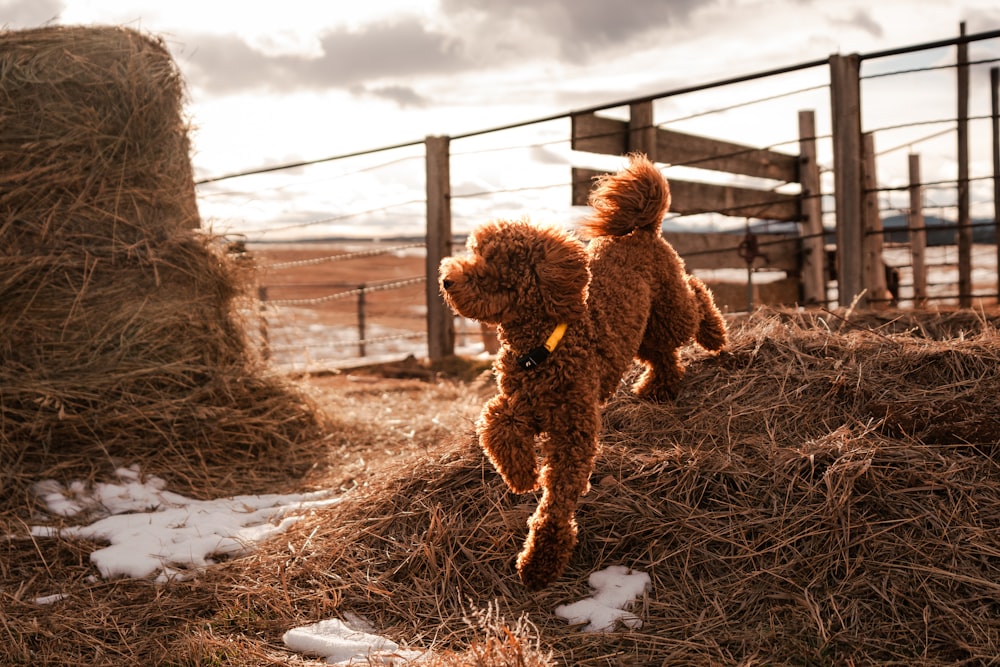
{"points": [[569, 460], [507, 435]]}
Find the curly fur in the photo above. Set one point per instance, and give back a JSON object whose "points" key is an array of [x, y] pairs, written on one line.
{"points": [[625, 295]]}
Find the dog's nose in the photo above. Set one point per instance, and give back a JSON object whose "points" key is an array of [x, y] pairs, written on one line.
{"points": [[447, 283]]}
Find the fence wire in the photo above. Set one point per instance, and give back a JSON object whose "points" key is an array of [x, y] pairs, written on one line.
{"points": [[368, 288]]}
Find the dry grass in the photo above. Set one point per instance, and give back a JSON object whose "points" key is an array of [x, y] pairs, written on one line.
{"points": [[826, 493], [783, 514]]}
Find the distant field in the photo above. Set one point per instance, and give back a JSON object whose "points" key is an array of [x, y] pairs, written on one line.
{"points": [[324, 332]]}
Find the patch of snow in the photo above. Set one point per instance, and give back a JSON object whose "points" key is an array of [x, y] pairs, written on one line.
{"points": [[152, 532], [615, 588]]}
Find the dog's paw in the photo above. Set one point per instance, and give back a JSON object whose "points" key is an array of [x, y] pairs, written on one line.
{"points": [[546, 553], [655, 394], [657, 387], [524, 481]]}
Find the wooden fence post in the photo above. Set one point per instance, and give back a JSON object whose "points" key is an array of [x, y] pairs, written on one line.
{"points": [[440, 321], [918, 234], [995, 107], [641, 131], [361, 320], [811, 227], [845, 100], [265, 345], [872, 241], [964, 218]]}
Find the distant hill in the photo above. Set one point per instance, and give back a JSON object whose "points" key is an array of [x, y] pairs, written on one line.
{"points": [[940, 231]]}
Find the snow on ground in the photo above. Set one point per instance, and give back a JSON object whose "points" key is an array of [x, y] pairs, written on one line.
{"points": [[153, 532], [341, 643], [615, 589]]}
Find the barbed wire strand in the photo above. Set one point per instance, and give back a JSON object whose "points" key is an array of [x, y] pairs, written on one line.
{"points": [[931, 68], [812, 64], [349, 343], [347, 293], [345, 174], [342, 256]]}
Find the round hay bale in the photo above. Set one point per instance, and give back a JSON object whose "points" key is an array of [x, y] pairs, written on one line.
{"points": [[95, 151], [120, 323]]}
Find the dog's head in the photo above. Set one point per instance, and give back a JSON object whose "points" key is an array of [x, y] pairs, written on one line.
{"points": [[515, 270]]}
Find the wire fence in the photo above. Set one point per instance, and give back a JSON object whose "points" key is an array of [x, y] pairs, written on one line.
{"points": [[368, 209]]}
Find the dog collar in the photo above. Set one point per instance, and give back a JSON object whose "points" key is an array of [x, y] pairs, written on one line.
{"points": [[539, 354]]}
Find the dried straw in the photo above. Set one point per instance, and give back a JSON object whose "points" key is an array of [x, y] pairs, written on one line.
{"points": [[95, 151], [783, 514], [814, 497], [120, 334]]}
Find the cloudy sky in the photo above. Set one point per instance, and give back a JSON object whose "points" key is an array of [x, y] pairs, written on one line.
{"points": [[280, 82]]}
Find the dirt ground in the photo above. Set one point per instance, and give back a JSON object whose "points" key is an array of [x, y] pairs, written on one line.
{"points": [[392, 419]]}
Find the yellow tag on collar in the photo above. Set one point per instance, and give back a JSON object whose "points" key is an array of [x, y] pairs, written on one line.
{"points": [[539, 354], [555, 336]]}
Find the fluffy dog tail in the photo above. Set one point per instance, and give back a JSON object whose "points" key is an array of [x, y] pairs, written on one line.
{"points": [[636, 197], [711, 333]]}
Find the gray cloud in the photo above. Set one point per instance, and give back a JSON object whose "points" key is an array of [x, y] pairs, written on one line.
{"points": [[382, 59], [16, 14], [383, 51], [861, 20], [404, 96], [581, 29]]}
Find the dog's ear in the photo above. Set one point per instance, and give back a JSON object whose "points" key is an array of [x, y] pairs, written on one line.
{"points": [[563, 276]]}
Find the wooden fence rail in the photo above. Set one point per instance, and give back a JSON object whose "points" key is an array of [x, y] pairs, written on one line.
{"points": [[855, 266], [857, 263]]}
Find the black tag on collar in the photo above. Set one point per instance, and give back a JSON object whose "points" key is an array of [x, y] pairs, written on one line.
{"points": [[533, 358]]}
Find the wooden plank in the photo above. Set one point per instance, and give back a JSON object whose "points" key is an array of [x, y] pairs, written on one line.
{"points": [[596, 134], [678, 148], [440, 320], [918, 234], [811, 227], [689, 198], [845, 112], [720, 250], [583, 182]]}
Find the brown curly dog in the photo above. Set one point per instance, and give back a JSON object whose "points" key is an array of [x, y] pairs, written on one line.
{"points": [[571, 318]]}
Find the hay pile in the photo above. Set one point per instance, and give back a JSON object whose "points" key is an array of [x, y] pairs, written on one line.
{"points": [[119, 334], [825, 493]]}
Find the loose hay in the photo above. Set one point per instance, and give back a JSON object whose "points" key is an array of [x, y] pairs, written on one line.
{"points": [[120, 332], [783, 517], [784, 514]]}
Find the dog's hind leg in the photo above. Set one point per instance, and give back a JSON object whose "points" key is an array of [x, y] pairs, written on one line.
{"points": [[672, 322], [569, 460], [507, 435], [661, 381], [712, 334]]}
